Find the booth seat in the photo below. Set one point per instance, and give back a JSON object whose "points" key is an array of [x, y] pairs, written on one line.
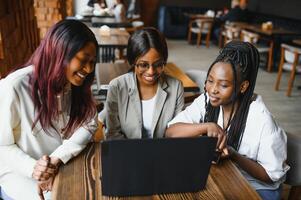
{"points": [[173, 20]]}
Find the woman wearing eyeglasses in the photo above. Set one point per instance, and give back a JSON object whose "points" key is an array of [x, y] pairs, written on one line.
{"points": [[141, 103]]}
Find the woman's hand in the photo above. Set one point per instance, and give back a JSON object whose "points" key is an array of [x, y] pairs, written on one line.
{"points": [[45, 186], [214, 130], [227, 152], [44, 172], [44, 169]]}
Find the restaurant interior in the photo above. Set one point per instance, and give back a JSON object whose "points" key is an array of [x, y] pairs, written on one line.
{"points": [[195, 34]]}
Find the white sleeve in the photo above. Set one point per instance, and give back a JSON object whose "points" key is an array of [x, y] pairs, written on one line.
{"points": [[10, 154], [72, 146], [194, 113], [272, 151]]}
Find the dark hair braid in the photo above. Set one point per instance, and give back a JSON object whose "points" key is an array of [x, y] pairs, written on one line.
{"points": [[244, 59]]}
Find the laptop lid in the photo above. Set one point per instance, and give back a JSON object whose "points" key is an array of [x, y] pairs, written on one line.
{"points": [[135, 167]]}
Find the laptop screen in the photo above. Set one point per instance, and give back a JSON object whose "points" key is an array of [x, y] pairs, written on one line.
{"points": [[137, 167]]}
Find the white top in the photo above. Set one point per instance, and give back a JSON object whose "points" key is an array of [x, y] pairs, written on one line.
{"points": [[119, 13], [263, 140], [148, 107], [20, 146]]}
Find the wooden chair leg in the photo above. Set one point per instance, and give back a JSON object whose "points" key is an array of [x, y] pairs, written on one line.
{"points": [[220, 40], [292, 76], [199, 38], [189, 37], [280, 70], [290, 84], [295, 193], [208, 39], [270, 57]]}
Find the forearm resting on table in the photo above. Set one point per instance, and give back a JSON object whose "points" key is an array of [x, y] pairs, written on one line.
{"points": [[45, 168], [55, 161], [251, 167], [186, 130]]}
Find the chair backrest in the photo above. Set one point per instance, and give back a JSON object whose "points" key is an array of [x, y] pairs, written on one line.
{"points": [[205, 24], [107, 54], [198, 76], [231, 33], [247, 36], [293, 177], [136, 25], [290, 52]]}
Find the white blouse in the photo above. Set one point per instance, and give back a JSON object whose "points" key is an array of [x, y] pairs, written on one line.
{"points": [[263, 140], [147, 116], [20, 145]]}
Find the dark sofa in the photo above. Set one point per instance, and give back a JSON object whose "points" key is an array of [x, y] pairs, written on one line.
{"points": [[173, 20]]}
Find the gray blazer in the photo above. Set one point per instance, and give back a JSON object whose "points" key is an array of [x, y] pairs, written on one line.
{"points": [[123, 105]]}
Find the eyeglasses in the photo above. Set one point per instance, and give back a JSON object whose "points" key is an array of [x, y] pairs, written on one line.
{"points": [[159, 65]]}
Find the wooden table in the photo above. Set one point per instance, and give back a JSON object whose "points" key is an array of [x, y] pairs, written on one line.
{"points": [[80, 180], [111, 22], [274, 36], [193, 16], [88, 18], [118, 39], [258, 29], [297, 41], [105, 72]]}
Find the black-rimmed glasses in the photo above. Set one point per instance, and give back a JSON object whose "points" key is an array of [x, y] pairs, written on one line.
{"points": [[159, 65]]}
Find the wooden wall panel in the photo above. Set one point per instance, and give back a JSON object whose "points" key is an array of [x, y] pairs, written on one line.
{"points": [[18, 33], [149, 11]]}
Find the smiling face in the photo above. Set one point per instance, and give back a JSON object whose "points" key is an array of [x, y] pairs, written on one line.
{"points": [[81, 64], [220, 84], [149, 67]]}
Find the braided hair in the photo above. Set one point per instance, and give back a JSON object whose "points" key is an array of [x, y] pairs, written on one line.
{"points": [[244, 60]]}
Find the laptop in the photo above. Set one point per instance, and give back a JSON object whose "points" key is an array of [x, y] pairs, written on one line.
{"points": [[137, 167]]}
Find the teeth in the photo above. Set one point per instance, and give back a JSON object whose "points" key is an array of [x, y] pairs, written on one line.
{"points": [[213, 98], [149, 78], [80, 75]]}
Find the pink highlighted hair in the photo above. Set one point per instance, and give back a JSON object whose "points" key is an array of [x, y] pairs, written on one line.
{"points": [[50, 59]]}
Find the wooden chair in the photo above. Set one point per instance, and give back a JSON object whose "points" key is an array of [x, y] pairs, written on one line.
{"points": [[230, 33], [136, 25], [290, 61], [254, 38], [203, 26], [198, 76], [108, 54]]}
